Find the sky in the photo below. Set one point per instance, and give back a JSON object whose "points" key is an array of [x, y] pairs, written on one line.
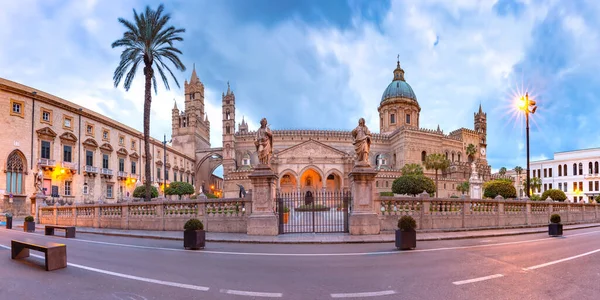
{"points": [[323, 64]]}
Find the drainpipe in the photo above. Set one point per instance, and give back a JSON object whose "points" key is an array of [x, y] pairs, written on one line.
{"points": [[32, 125], [79, 150]]}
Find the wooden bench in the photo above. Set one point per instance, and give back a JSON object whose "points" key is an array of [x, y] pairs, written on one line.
{"points": [[69, 230], [56, 254]]}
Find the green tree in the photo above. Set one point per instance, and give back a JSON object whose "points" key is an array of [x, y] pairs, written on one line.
{"points": [[140, 192], [534, 183], [412, 169], [463, 187], [518, 170], [437, 162], [148, 40], [471, 150], [502, 171], [503, 188], [179, 188], [555, 194], [413, 185]]}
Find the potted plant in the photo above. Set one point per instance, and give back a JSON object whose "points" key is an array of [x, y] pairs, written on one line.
{"points": [[286, 214], [406, 236], [555, 228], [194, 236], [29, 224]]}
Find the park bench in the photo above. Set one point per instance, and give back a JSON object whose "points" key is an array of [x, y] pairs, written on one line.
{"points": [[69, 230], [55, 254]]}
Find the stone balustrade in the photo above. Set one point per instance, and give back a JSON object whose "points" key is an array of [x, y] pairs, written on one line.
{"points": [[457, 213], [218, 215]]}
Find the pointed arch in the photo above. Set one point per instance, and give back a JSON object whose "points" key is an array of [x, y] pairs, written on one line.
{"points": [[16, 166]]}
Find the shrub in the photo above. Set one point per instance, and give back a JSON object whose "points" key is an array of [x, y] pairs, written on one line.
{"points": [[386, 194], [503, 188], [140, 192], [412, 169], [29, 219], [193, 224], [413, 185], [555, 194], [597, 199], [179, 188], [406, 223], [453, 196], [555, 218], [535, 197], [211, 196]]}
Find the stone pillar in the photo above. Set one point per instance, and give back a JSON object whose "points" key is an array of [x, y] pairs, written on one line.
{"points": [[475, 184], [363, 218], [35, 199], [263, 219]]}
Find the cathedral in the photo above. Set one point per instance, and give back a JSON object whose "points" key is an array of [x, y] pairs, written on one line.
{"points": [[320, 160]]}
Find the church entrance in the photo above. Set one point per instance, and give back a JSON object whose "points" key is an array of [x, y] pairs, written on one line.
{"points": [[310, 211]]}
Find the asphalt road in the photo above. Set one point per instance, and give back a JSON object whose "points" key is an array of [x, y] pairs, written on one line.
{"points": [[531, 266]]}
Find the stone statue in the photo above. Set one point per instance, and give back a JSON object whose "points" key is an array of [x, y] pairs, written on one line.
{"points": [[474, 174], [362, 143], [242, 191], [264, 143], [39, 182]]}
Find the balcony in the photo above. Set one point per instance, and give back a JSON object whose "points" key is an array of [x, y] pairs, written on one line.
{"points": [[46, 164], [70, 166], [122, 175], [106, 172], [89, 170]]}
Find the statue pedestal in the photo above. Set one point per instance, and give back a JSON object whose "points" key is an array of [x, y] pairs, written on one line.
{"points": [[263, 219], [363, 219], [35, 199]]}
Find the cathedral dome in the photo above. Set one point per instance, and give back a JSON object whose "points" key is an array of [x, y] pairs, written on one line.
{"points": [[398, 87]]}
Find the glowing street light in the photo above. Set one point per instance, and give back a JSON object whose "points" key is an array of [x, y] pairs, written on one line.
{"points": [[528, 107]]}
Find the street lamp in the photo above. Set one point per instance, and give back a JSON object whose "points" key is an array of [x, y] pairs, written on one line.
{"points": [[528, 106], [165, 165]]}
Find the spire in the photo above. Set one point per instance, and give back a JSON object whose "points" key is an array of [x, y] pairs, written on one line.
{"points": [[480, 110], [175, 106], [194, 77], [205, 117], [228, 88], [438, 129]]}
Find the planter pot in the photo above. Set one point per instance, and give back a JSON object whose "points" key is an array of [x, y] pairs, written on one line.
{"points": [[555, 229], [8, 222], [194, 239], [406, 240], [29, 226], [286, 217]]}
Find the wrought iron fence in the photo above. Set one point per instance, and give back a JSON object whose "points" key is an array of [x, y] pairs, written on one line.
{"points": [[308, 212]]}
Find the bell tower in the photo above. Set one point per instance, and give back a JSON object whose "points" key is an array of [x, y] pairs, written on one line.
{"points": [[480, 120], [228, 107]]}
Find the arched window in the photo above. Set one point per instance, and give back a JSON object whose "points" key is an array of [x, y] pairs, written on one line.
{"points": [[565, 170], [15, 165], [452, 156], [459, 157], [377, 183], [580, 169], [227, 129], [246, 160], [590, 168], [396, 163], [446, 154], [227, 115], [596, 168], [423, 156], [559, 170], [574, 169]]}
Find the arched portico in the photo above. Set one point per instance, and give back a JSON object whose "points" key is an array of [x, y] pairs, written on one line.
{"points": [[288, 181], [333, 181], [311, 180], [206, 166]]}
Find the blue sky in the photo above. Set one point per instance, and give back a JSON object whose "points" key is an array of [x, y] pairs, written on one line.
{"points": [[324, 64]]}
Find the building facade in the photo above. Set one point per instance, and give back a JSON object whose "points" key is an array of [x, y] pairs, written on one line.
{"points": [[573, 172]]}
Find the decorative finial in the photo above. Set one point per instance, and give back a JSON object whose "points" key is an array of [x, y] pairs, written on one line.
{"points": [[228, 88]]}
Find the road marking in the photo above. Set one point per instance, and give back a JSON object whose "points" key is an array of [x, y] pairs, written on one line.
{"points": [[561, 260], [363, 295], [314, 254], [138, 278], [252, 294], [478, 279]]}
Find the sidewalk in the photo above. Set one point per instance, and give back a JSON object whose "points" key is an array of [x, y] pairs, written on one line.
{"points": [[319, 238]]}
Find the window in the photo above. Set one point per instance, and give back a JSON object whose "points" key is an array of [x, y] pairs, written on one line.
{"points": [[121, 140], [45, 150], [67, 153], [550, 185], [393, 119], [590, 168], [246, 160], [565, 187], [545, 187], [166, 174], [109, 191], [105, 161], [574, 186], [132, 145], [377, 183], [459, 157], [580, 169], [46, 116], [559, 171], [550, 172], [581, 186], [67, 122], [560, 186], [565, 170], [17, 108], [105, 135], [121, 164], [89, 158], [590, 186], [15, 165], [424, 155], [227, 129], [596, 168], [133, 166], [596, 186], [158, 173], [407, 118], [545, 173], [67, 188], [452, 156], [85, 189], [89, 129], [574, 169]]}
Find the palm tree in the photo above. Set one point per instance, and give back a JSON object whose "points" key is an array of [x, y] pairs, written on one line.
{"points": [[502, 171], [519, 170], [436, 162], [471, 150], [534, 183], [148, 40]]}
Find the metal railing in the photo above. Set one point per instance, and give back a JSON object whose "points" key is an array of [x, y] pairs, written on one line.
{"points": [[70, 165], [90, 169], [122, 174], [105, 171], [45, 162]]}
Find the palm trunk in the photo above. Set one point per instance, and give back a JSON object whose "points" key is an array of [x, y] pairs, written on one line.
{"points": [[436, 184], [147, 102]]}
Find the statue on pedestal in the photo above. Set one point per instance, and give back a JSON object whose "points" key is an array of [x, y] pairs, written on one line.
{"points": [[38, 182], [242, 191], [264, 143], [362, 143]]}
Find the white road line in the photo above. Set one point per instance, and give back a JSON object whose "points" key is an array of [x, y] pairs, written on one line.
{"points": [[316, 254], [478, 279], [363, 295], [138, 278], [252, 294], [561, 260]]}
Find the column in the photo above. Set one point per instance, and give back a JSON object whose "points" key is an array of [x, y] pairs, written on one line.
{"points": [[363, 218], [263, 220]]}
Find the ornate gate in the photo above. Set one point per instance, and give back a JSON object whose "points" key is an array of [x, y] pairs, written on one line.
{"points": [[319, 212]]}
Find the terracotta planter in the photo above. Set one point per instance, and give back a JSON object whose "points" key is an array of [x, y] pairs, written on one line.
{"points": [[406, 239], [555, 229], [286, 217], [194, 239], [29, 226]]}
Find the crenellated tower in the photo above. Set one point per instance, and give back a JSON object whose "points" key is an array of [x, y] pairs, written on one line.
{"points": [[243, 127], [190, 127], [228, 106], [480, 120]]}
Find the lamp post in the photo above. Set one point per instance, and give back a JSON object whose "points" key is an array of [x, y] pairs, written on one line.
{"points": [[165, 166], [529, 107]]}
